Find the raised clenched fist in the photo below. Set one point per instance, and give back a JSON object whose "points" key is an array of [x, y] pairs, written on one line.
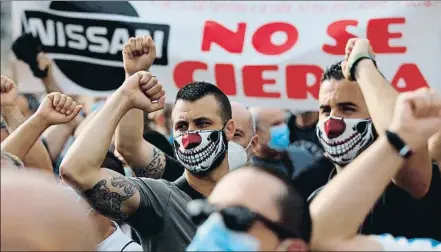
{"points": [[417, 116], [139, 54], [8, 91], [44, 62], [58, 108], [354, 48], [144, 92]]}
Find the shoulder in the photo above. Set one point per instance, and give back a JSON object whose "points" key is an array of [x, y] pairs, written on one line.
{"points": [[390, 243], [152, 185]]}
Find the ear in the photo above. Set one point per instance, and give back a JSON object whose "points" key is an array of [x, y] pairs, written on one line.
{"points": [[255, 145], [254, 142], [230, 128], [292, 245]]}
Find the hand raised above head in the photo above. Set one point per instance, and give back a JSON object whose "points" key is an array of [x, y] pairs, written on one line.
{"points": [[8, 92], [139, 54], [417, 116], [144, 92], [58, 108]]}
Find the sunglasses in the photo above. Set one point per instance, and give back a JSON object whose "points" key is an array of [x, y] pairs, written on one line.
{"points": [[236, 218]]}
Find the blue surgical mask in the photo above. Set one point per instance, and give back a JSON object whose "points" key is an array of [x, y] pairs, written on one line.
{"points": [[279, 137], [213, 235]]}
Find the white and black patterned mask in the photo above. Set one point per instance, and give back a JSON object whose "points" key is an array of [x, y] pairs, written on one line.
{"points": [[201, 151], [344, 138]]}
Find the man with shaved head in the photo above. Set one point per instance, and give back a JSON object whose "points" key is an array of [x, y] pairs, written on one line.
{"points": [[274, 149], [37, 216], [245, 139], [247, 220]]}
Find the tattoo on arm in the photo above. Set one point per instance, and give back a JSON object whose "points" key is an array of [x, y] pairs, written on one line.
{"points": [[155, 168], [110, 203]]}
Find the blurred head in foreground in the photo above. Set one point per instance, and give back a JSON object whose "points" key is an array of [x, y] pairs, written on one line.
{"points": [[37, 216], [265, 213]]}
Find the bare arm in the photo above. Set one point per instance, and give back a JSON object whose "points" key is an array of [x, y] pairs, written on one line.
{"points": [[339, 210], [50, 84], [145, 159], [57, 135], [113, 195], [24, 142], [380, 98], [341, 207]]}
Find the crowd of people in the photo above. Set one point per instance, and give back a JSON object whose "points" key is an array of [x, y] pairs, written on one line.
{"points": [[132, 173]]}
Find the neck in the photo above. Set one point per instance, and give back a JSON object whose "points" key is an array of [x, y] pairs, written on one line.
{"points": [[204, 185], [306, 119]]}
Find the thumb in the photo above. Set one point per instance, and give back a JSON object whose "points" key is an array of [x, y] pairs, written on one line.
{"points": [[158, 105], [75, 112]]}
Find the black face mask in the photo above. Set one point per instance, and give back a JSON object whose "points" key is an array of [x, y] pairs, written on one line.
{"points": [[201, 151], [26, 48]]}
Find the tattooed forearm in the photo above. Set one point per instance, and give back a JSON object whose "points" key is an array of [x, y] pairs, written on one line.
{"points": [[110, 203], [155, 168]]}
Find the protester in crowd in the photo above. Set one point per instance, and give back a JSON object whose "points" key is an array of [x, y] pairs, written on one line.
{"points": [[37, 216], [155, 208], [341, 207], [245, 139], [274, 149], [36, 155], [265, 213], [302, 132], [346, 129]]}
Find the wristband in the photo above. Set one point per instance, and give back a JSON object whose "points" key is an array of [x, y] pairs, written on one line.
{"points": [[399, 145], [353, 64]]}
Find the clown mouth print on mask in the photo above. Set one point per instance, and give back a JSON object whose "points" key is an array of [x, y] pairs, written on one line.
{"points": [[200, 151], [343, 138]]}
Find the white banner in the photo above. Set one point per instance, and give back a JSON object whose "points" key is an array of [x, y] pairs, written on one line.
{"points": [[262, 53]]}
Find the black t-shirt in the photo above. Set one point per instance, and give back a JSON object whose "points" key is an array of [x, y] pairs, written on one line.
{"points": [[305, 137], [161, 221], [396, 212]]}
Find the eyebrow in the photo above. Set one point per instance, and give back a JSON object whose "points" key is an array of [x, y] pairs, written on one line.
{"points": [[324, 106], [199, 119], [347, 104]]}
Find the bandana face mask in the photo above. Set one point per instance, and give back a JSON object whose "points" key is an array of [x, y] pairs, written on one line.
{"points": [[201, 151], [343, 139]]}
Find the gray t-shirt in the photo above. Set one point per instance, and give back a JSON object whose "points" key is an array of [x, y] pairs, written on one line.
{"points": [[161, 221]]}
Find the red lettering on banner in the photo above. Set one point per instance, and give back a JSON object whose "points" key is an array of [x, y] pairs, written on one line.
{"points": [[297, 82], [225, 78], [183, 73], [233, 41], [411, 75], [227, 39], [377, 32], [253, 81], [337, 31], [379, 35], [262, 38]]}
